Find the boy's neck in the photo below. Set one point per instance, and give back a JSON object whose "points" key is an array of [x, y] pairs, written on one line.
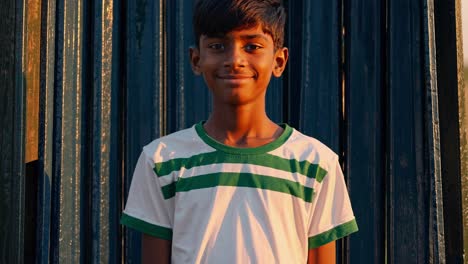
{"points": [[241, 126]]}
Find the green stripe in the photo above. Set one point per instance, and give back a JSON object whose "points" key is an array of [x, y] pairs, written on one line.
{"points": [[267, 160], [333, 234], [240, 180], [145, 227], [169, 190]]}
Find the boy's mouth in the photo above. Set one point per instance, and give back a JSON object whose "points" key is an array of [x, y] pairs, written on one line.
{"points": [[235, 76], [235, 80]]}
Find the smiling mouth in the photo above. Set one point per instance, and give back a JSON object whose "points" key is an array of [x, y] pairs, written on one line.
{"points": [[235, 76]]}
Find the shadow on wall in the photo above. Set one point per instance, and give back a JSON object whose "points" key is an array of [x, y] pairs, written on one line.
{"points": [[464, 156]]}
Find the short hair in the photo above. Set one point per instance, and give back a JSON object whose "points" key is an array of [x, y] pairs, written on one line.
{"points": [[218, 17]]}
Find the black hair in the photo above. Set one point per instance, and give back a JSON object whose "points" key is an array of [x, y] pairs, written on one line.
{"points": [[218, 17]]}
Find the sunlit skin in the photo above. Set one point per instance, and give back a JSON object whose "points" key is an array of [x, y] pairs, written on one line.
{"points": [[237, 68]]}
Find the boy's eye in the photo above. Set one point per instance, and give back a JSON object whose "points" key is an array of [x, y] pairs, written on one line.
{"points": [[216, 46], [252, 47]]}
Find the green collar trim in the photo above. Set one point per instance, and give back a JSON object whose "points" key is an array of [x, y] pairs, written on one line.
{"points": [[244, 151], [333, 234]]}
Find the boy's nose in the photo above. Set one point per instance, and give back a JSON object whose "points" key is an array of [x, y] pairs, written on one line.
{"points": [[234, 58]]}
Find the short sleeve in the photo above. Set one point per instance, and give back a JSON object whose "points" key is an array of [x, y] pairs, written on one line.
{"points": [[332, 216], [146, 209]]}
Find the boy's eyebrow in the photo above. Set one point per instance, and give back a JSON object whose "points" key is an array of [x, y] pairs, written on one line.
{"points": [[254, 36], [247, 36]]}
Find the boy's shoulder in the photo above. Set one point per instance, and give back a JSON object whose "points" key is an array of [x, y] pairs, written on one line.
{"points": [[180, 144], [305, 147]]}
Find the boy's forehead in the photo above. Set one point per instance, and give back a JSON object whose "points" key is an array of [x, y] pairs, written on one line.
{"points": [[251, 32]]}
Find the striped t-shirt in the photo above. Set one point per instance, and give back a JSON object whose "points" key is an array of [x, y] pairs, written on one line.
{"points": [[220, 204]]}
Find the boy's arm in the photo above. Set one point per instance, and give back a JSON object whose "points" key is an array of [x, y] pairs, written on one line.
{"points": [[325, 254], [155, 250]]}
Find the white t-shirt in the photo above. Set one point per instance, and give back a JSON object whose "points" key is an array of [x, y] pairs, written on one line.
{"points": [[220, 204]]}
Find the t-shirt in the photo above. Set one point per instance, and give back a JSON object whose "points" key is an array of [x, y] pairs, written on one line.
{"points": [[220, 204]]}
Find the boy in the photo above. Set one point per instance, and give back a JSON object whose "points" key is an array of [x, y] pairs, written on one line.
{"points": [[238, 188]]}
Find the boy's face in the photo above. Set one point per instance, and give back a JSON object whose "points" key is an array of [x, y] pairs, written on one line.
{"points": [[237, 67]]}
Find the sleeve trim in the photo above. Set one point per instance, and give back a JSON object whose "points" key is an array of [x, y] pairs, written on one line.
{"points": [[333, 234], [145, 227]]}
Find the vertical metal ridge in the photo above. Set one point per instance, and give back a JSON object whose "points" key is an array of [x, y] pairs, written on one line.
{"points": [[104, 95], [106, 99], [46, 122], [342, 246], [385, 84], [436, 238], [363, 135], [168, 62], [181, 62], [146, 93], [463, 121], [67, 147], [18, 127], [409, 176], [161, 68], [12, 123], [108, 25], [116, 148], [118, 197], [449, 71], [293, 78]]}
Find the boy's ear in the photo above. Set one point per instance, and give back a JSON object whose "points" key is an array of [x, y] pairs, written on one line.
{"points": [[195, 59], [281, 58]]}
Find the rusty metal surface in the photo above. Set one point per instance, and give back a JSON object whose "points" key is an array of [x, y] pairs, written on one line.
{"points": [[31, 74]]}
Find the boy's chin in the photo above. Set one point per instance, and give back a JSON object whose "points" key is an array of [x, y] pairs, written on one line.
{"points": [[235, 101], [237, 96]]}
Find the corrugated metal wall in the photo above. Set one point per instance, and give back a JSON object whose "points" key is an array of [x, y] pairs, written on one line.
{"points": [[114, 74]]}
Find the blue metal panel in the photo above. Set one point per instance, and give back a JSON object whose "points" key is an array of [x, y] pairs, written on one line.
{"points": [[143, 94], [67, 175], [412, 137], [275, 106], [104, 138], [313, 77], [364, 27], [188, 99], [314, 73], [115, 169], [12, 133], [79, 160], [437, 253], [46, 119]]}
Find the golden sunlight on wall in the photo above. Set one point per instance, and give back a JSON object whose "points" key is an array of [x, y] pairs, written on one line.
{"points": [[463, 106]]}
